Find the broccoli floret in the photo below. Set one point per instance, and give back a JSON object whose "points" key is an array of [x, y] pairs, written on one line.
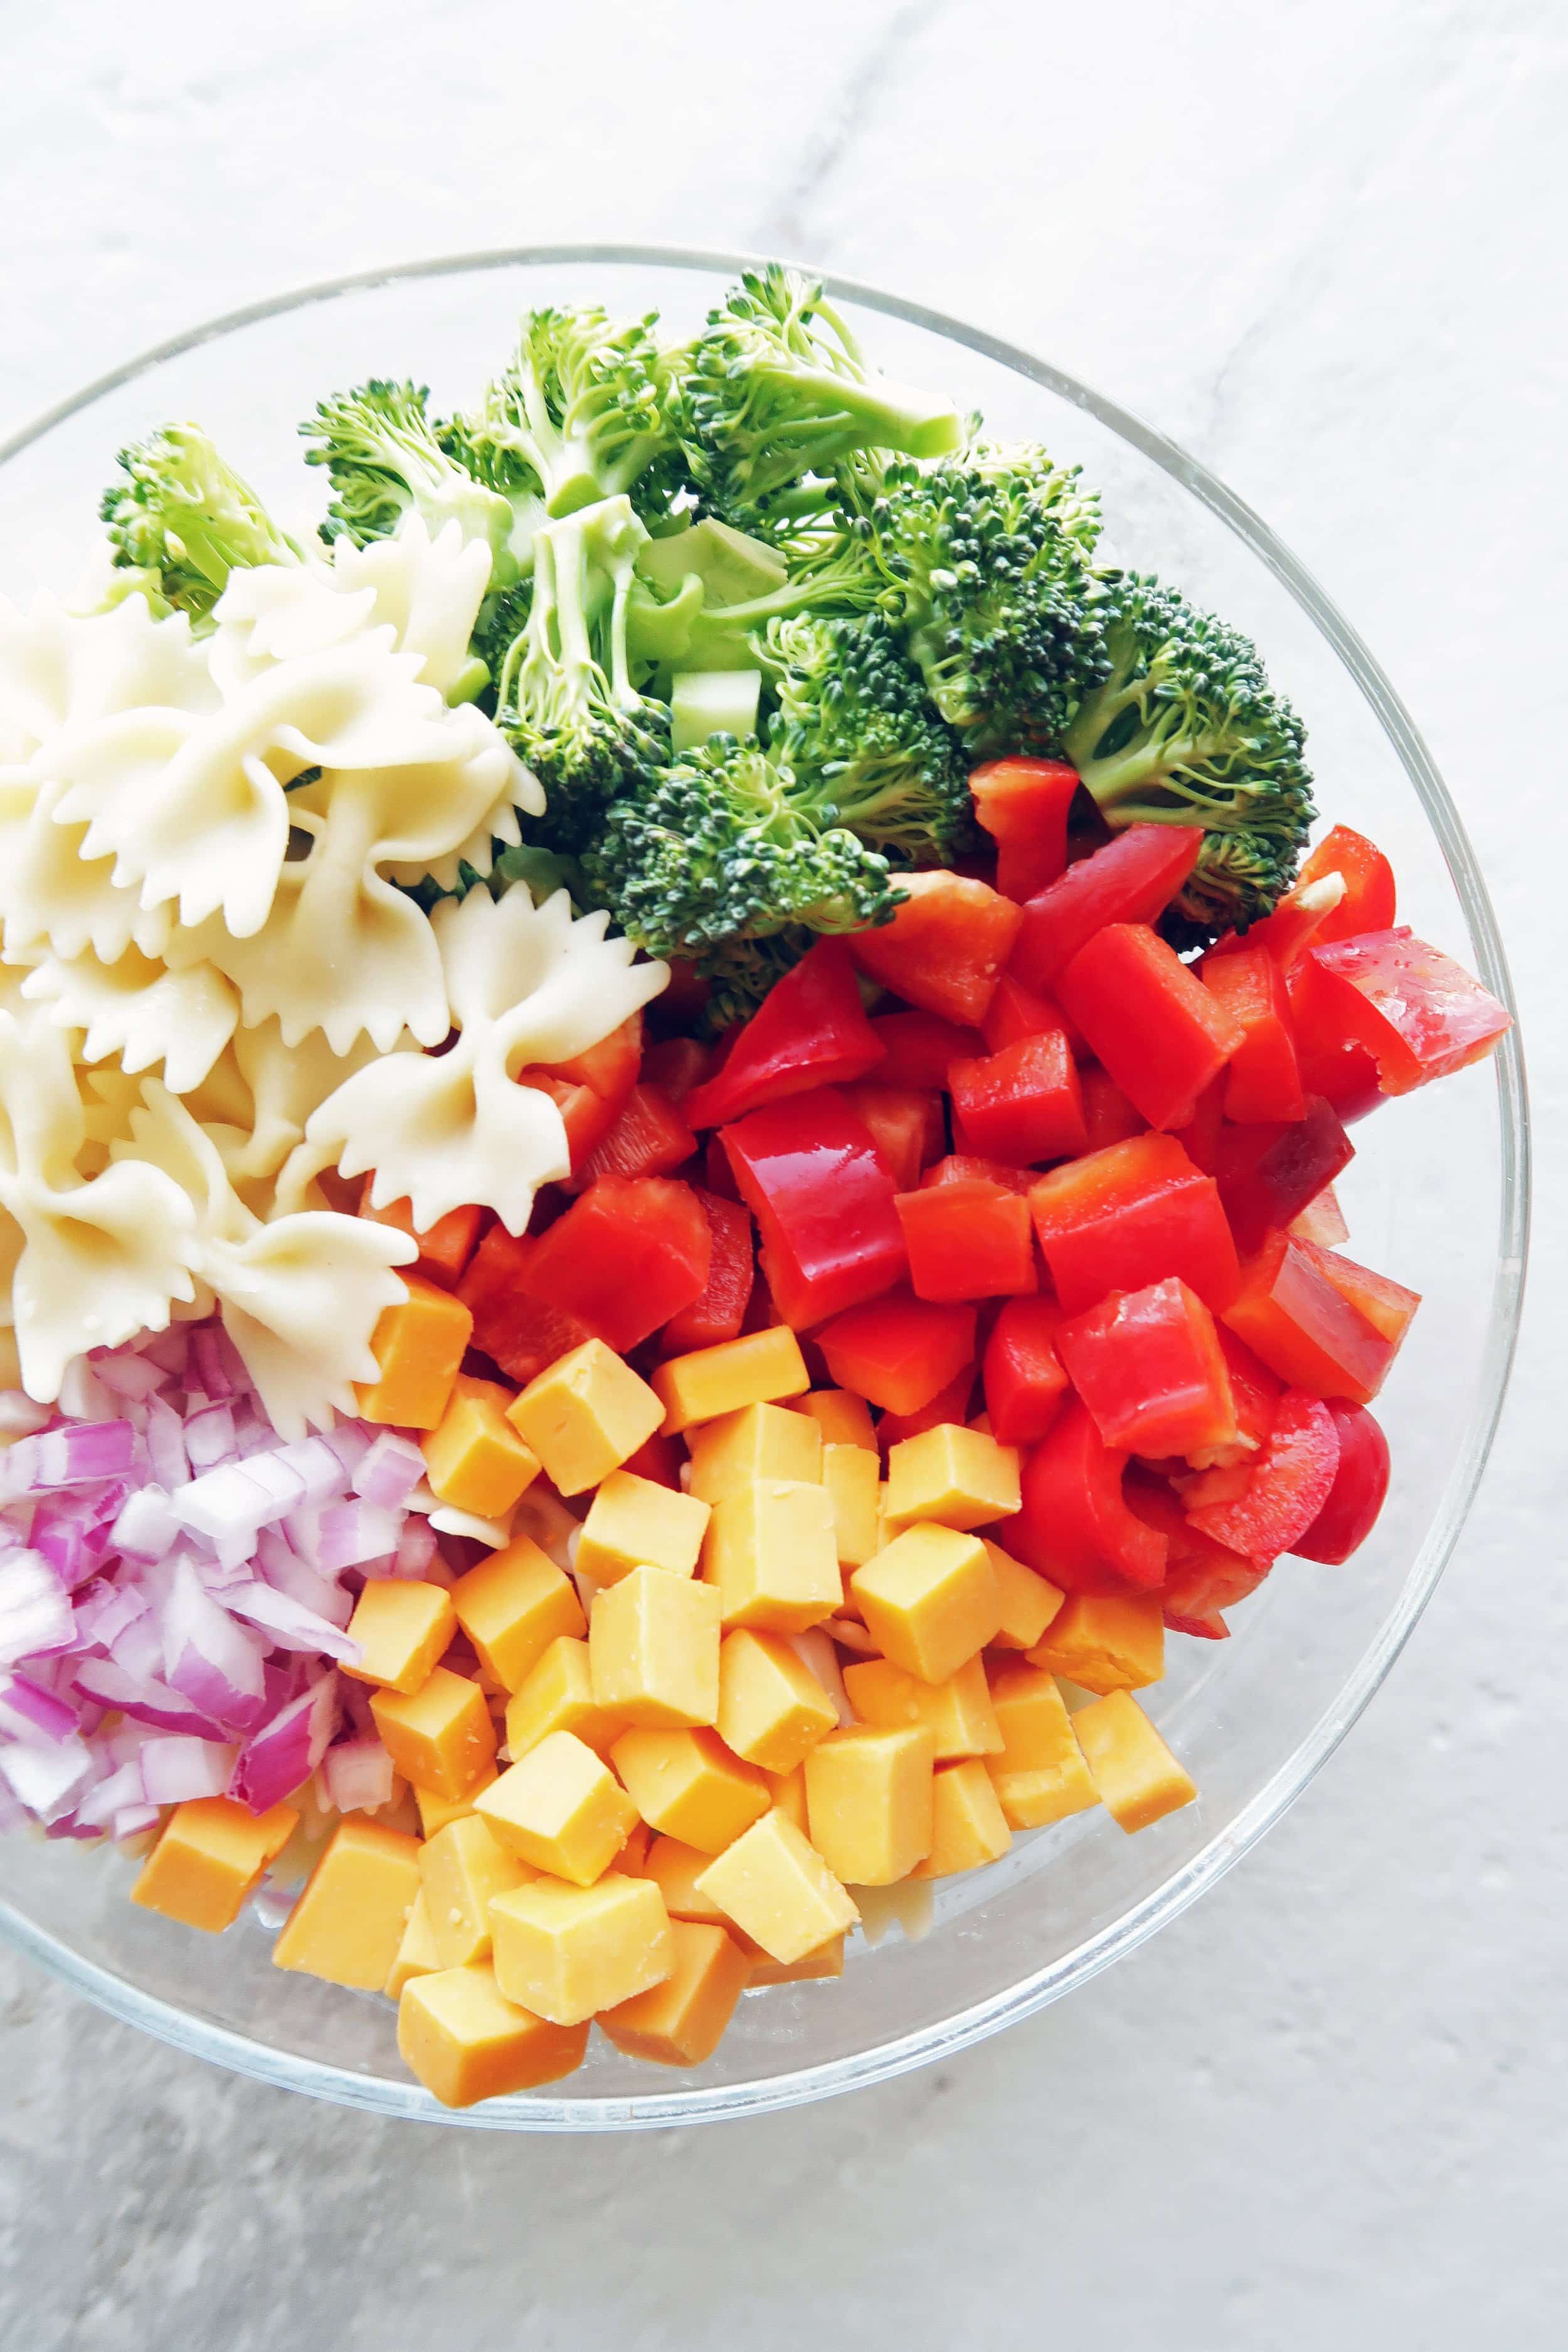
{"points": [[854, 724], [741, 972], [386, 458], [987, 559], [1187, 730], [185, 521], [580, 413], [776, 392], [835, 571]]}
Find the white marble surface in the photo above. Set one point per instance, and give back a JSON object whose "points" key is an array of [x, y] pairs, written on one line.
{"points": [[1322, 244]]}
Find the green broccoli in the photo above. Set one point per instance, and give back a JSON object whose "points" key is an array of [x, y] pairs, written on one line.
{"points": [[580, 413], [185, 521], [386, 458], [834, 573], [1187, 730]]}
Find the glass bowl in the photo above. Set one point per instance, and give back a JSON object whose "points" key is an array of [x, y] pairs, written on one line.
{"points": [[1437, 1198]]}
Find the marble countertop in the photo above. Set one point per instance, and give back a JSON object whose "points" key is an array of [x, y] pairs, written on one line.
{"points": [[1321, 246]]}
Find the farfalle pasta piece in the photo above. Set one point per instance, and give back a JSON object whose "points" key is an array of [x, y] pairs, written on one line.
{"points": [[62, 669], [137, 1010], [52, 894], [525, 984]]}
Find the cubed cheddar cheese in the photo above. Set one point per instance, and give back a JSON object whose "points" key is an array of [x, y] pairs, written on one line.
{"points": [[209, 1857], [585, 1416], [561, 1808], [827, 1960], [930, 1600], [632, 1855], [772, 1709], [567, 1952], [436, 1811], [1028, 1602], [459, 1869], [402, 1627], [771, 1555], [851, 1479], [843, 1419], [756, 1369], [675, 1869], [777, 1889], [761, 1440], [869, 1803], [682, 2021], [416, 1955], [968, 1825], [634, 1523], [687, 1784], [348, 1924], [466, 2041], [476, 1461], [1139, 1780], [440, 1737], [1040, 1775], [958, 1713], [1105, 1641], [512, 1606], [952, 1476], [788, 1790], [653, 1646], [418, 1348], [558, 1695]]}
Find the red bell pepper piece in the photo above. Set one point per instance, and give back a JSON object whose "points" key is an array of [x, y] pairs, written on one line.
{"points": [[649, 1138], [1387, 1305], [898, 1351], [516, 1331], [1359, 1491], [920, 1048], [1108, 1116], [1287, 1487], [1332, 1060], [626, 1257], [907, 1126], [1017, 1011], [946, 947], [1261, 1081], [1148, 1365], [1023, 1105], [809, 1031], [1321, 1220], [811, 1174], [1296, 924], [1148, 1020], [1131, 878], [1290, 1313], [1254, 1392], [677, 1065], [1025, 1380], [445, 1247], [720, 1309], [950, 1404], [1201, 1577], [610, 1068], [1417, 1011], [1368, 903], [1129, 1215], [968, 1168], [1269, 1174], [1075, 1526], [586, 1117], [1199, 1136], [657, 1458], [968, 1241], [1023, 804]]}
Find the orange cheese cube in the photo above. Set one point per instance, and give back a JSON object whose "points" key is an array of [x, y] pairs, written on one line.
{"points": [[682, 2021], [788, 1791], [584, 1416], [1040, 1776], [968, 1825], [827, 1960], [851, 1479], [419, 1349], [512, 1606], [436, 1811], [348, 1924], [756, 1370], [634, 1523], [210, 1855], [1028, 1602], [930, 1600], [402, 1627], [843, 1419], [466, 2041], [567, 1952], [440, 1737], [476, 1461], [952, 1476], [778, 1890], [1105, 1641], [1138, 1778], [459, 1869], [632, 1855], [687, 1783], [958, 1713], [869, 1803], [772, 1556], [653, 1646], [558, 1695], [675, 1870], [416, 1955], [772, 1707], [561, 1808], [763, 1441]]}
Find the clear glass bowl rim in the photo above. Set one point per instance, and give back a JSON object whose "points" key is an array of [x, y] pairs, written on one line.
{"points": [[286, 2072]]}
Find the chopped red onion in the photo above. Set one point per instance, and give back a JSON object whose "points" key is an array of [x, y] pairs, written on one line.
{"points": [[142, 1697], [389, 1472], [145, 1528], [21, 1415], [206, 1657], [358, 1775], [30, 1713], [208, 1369], [415, 1548], [166, 1445], [285, 1570], [36, 1616], [173, 1771], [67, 1457], [291, 1625], [274, 1762], [45, 1777], [133, 1377], [352, 1534], [209, 1437]]}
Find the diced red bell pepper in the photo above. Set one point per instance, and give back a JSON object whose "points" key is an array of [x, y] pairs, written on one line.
{"points": [[1269, 1174], [811, 1174], [1321, 1220], [1199, 1136], [586, 1117], [719, 1308], [1387, 1305], [445, 1247], [649, 1138], [1025, 1380], [1023, 804], [1108, 1116], [1201, 1577], [1332, 1060], [898, 1351], [920, 1048], [657, 1458], [626, 1257], [1132, 879], [1129, 1215], [516, 1331], [1359, 1491], [1304, 1328], [1417, 1012], [809, 1031], [1254, 1392], [968, 1241], [1296, 924], [907, 1126], [1148, 1365], [1287, 1487], [1148, 1020], [1017, 1011], [946, 947], [1262, 1081], [610, 1068], [1023, 1105], [1075, 1526], [950, 1404], [1368, 904], [968, 1168], [677, 1065]]}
